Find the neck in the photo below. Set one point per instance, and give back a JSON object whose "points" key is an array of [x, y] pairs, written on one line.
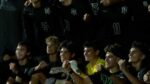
{"points": [[137, 65], [23, 62], [53, 57], [114, 69], [93, 61], [36, 4]]}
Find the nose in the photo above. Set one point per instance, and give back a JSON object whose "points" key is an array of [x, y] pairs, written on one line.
{"points": [[106, 59], [130, 54], [61, 54], [85, 53]]}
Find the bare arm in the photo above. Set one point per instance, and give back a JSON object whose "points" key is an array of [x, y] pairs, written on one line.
{"points": [[131, 78], [117, 80]]}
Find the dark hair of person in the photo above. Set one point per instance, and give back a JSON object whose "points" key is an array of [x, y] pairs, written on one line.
{"points": [[25, 44], [69, 45], [117, 50], [144, 48], [93, 44]]}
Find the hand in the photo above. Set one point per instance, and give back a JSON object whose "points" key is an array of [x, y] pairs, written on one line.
{"points": [[86, 17], [27, 3], [18, 79], [99, 67], [146, 77], [66, 65], [41, 65], [12, 66], [121, 64]]}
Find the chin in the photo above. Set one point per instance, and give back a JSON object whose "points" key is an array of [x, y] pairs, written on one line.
{"points": [[87, 59]]}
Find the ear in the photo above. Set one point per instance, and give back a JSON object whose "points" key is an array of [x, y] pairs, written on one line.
{"points": [[73, 55], [143, 56], [28, 53], [97, 52]]}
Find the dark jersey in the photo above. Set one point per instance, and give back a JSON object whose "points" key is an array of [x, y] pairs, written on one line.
{"points": [[103, 77], [38, 24], [25, 71], [115, 21], [141, 18], [54, 71], [73, 20]]}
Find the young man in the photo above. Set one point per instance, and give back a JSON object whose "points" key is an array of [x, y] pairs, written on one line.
{"points": [[91, 55], [23, 68], [138, 58], [39, 21], [67, 56], [49, 68], [112, 76]]}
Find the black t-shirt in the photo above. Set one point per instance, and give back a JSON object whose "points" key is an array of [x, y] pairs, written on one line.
{"points": [[39, 23], [114, 20], [25, 71], [73, 24], [103, 77]]}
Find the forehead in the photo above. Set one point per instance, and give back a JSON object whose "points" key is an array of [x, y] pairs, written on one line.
{"points": [[88, 48], [21, 47], [64, 49], [50, 43], [109, 54], [133, 49]]}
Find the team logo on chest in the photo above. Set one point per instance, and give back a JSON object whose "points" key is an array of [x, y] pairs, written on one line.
{"points": [[124, 9], [95, 8], [47, 11], [73, 11]]}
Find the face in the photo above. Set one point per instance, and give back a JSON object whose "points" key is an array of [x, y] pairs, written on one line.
{"points": [[65, 54], [111, 60], [135, 55], [90, 53], [51, 48], [21, 52], [105, 2], [109, 2], [66, 2]]}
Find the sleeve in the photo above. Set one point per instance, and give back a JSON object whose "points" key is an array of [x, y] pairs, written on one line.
{"points": [[101, 77]]}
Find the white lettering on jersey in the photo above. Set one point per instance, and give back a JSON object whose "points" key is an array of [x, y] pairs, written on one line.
{"points": [[116, 28], [45, 26], [67, 25], [73, 11], [95, 8], [124, 9], [47, 11], [56, 70]]}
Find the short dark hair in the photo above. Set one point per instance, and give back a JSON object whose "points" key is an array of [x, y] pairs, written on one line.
{"points": [[143, 47], [93, 44], [116, 49], [69, 45], [26, 44]]}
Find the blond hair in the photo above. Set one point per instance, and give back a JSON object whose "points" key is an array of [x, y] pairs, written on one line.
{"points": [[53, 39]]}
